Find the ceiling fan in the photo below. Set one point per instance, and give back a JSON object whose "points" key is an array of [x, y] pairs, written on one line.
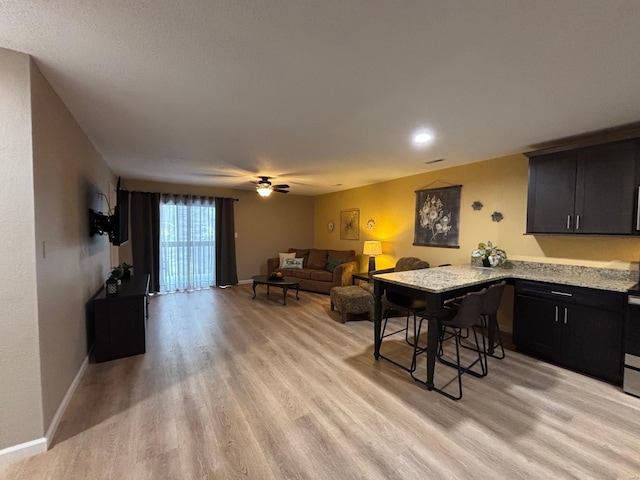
{"points": [[264, 187]]}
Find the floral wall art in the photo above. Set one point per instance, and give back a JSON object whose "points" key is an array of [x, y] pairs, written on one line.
{"points": [[438, 217]]}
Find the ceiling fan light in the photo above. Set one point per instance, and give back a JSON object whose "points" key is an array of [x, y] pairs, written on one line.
{"points": [[264, 191]]}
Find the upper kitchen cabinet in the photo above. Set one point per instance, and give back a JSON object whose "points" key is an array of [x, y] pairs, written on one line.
{"points": [[591, 190]]}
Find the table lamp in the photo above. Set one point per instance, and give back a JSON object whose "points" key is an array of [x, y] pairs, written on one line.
{"points": [[372, 248]]}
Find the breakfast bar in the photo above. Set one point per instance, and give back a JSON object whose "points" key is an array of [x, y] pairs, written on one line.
{"points": [[437, 285]]}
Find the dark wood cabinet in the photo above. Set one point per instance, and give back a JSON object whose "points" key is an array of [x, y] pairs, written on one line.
{"points": [[578, 328], [591, 190], [119, 321]]}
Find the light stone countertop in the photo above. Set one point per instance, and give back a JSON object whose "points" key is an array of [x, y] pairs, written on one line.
{"points": [[442, 279]]}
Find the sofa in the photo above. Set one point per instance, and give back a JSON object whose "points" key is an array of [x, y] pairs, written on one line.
{"points": [[316, 275]]}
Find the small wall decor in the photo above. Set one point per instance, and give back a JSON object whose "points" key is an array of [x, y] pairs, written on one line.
{"points": [[371, 224], [350, 224], [496, 216], [437, 213], [330, 226], [477, 205]]}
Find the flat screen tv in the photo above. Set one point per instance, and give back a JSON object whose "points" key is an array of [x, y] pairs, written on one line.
{"points": [[119, 221]]}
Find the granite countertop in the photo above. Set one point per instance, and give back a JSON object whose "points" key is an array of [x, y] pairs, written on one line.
{"points": [[442, 279]]}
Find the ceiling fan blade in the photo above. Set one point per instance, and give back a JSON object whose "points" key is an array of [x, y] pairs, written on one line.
{"points": [[280, 191], [281, 186], [222, 175]]}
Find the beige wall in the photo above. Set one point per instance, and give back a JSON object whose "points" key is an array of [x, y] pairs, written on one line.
{"points": [[68, 174], [20, 391], [52, 176], [265, 226], [499, 184]]}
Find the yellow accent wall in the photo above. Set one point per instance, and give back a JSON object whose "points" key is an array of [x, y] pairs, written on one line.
{"points": [[500, 184]]}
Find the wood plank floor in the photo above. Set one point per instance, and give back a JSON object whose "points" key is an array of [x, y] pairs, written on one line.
{"points": [[237, 388]]}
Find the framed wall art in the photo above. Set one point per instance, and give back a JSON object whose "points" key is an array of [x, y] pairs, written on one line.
{"points": [[438, 217], [350, 224]]}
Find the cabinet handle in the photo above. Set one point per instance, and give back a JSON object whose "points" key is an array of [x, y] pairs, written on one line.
{"points": [[556, 313], [566, 315], [569, 222], [564, 294], [638, 212], [577, 222]]}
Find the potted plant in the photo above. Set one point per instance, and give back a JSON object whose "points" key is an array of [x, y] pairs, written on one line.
{"points": [[117, 273], [126, 269], [490, 255]]}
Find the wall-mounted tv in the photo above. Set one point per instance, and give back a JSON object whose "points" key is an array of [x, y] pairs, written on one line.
{"points": [[115, 225]]}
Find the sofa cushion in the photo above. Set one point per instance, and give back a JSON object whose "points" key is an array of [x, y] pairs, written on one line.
{"points": [[303, 273], [344, 255], [301, 253], [285, 256], [317, 259], [321, 275], [332, 263]]}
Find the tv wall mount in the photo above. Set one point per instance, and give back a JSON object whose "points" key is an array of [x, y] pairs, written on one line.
{"points": [[99, 223]]}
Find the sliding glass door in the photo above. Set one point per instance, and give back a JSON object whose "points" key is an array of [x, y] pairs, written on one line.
{"points": [[187, 243]]}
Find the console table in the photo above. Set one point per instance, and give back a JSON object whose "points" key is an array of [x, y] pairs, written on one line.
{"points": [[120, 320]]}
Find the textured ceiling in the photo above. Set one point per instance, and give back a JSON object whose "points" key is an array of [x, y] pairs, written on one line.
{"points": [[319, 93]]}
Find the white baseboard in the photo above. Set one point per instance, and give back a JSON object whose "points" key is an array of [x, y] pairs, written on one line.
{"points": [[24, 450], [242, 282], [40, 445], [51, 431]]}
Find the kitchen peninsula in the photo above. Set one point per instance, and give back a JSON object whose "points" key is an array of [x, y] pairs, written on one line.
{"points": [[601, 292]]}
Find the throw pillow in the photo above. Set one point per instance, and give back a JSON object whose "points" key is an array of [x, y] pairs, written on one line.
{"points": [[285, 256], [332, 263], [293, 262]]}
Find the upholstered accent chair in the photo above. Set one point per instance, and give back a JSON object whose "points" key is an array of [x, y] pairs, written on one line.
{"points": [[403, 264]]}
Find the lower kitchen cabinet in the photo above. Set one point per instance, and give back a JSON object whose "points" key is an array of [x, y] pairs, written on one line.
{"points": [[578, 328]]}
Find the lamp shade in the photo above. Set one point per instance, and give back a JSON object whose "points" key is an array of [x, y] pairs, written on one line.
{"points": [[372, 247]]}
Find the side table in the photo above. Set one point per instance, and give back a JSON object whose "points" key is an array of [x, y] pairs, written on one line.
{"points": [[364, 276]]}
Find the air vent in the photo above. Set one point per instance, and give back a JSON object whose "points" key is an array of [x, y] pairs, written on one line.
{"points": [[434, 161]]}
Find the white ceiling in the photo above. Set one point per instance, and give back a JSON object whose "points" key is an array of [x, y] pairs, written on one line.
{"points": [[325, 92]]}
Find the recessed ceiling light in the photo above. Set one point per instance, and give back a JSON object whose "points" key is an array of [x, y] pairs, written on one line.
{"points": [[421, 138]]}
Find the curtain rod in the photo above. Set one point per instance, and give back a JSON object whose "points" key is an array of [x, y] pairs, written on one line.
{"points": [[182, 194]]}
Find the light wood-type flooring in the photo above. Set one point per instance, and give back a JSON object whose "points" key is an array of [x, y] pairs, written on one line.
{"points": [[237, 388]]}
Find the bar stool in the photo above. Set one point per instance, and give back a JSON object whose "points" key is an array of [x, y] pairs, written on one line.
{"points": [[411, 306], [454, 321]]}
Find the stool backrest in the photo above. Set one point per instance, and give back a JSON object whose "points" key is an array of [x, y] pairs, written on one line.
{"points": [[470, 310], [492, 298]]}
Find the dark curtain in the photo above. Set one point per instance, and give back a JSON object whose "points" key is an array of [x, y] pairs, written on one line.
{"points": [[145, 236], [226, 273]]}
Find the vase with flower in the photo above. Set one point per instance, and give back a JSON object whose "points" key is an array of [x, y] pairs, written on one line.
{"points": [[490, 255]]}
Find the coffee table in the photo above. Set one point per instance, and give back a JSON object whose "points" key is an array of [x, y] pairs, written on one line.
{"points": [[285, 283]]}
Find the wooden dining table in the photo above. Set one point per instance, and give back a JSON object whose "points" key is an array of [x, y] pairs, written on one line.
{"points": [[436, 286]]}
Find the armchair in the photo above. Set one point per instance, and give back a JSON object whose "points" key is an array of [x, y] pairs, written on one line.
{"points": [[403, 264]]}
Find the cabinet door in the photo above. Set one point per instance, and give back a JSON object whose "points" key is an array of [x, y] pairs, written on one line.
{"points": [[551, 195], [537, 327], [592, 341], [606, 189]]}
